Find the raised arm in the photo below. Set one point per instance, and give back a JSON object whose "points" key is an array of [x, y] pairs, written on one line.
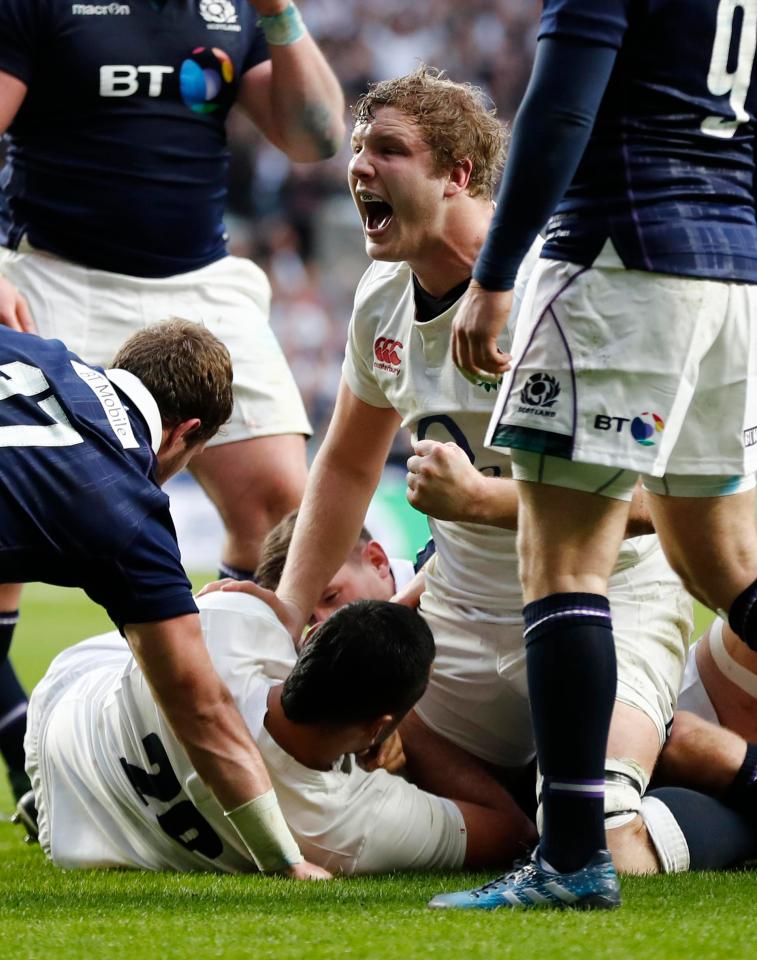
{"points": [[14, 312], [294, 98], [201, 712], [340, 485], [550, 133]]}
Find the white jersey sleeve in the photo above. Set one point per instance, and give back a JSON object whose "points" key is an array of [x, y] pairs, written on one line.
{"points": [[362, 344], [412, 830], [351, 821]]}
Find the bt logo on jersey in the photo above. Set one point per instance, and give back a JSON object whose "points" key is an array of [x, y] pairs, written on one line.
{"points": [[123, 79]]}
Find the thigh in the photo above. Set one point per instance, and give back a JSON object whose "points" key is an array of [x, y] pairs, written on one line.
{"points": [[652, 618], [568, 540], [253, 483], [711, 542]]}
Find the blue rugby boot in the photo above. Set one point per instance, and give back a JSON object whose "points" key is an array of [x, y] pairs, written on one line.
{"points": [[594, 887]]}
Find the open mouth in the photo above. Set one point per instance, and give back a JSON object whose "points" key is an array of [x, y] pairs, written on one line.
{"points": [[378, 213]]}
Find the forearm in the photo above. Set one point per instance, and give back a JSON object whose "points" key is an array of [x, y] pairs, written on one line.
{"points": [[199, 709], [306, 101], [550, 133], [329, 522], [494, 502]]}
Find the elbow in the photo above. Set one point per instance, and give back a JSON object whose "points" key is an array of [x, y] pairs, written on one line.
{"points": [[319, 135]]}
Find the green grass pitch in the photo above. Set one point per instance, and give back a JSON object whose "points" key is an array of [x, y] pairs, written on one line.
{"points": [[47, 914]]}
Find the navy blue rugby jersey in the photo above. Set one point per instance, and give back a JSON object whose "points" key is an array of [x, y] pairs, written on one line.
{"points": [[668, 171], [79, 504], [117, 158]]}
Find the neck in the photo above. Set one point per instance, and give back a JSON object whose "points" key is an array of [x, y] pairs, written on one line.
{"points": [[449, 258], [312, 745]]}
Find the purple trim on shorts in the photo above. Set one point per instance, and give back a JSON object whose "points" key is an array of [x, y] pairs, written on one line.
{"points": [[548, 308]]}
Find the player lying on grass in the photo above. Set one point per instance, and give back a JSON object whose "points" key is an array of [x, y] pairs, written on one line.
{"points": [[697, 755], [82, 455], [368, 573], [115, 788], [112, 214], [426, 154]]}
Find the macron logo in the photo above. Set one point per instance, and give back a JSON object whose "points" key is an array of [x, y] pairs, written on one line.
{"points": [[100, 9]]}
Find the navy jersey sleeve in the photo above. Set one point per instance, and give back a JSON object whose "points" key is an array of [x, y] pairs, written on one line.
{"points": [[146, 582], [22, 27], [258, 50], [598, 21], [549, 136]]}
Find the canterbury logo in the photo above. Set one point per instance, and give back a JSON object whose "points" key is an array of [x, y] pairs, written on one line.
{"points": [[386, 351]]}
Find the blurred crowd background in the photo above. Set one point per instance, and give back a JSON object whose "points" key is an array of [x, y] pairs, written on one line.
{"points": [[297, 221]]}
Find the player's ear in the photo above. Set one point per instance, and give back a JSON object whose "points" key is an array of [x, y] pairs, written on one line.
{"points": [[459, 177], [375, 555], [377, 729], [180, 434]]}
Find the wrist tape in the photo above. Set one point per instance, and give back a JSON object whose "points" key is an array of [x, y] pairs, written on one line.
{"points": [[261, 825], [283, 28]]}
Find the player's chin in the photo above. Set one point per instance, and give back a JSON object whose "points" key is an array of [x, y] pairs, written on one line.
{"points": [[382, 250]]}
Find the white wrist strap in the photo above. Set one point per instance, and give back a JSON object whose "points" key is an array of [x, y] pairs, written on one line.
{"points": [[261, 825]]}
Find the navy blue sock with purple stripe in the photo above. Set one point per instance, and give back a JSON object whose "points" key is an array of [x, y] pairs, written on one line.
{"points": [[570, 658], [742, 617]]}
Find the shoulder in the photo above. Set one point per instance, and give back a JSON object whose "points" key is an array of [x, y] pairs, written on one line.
{"points": [[244, 629], [382, 282]]}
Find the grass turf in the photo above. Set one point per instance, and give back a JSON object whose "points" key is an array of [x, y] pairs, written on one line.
{"points": [[47, 913]]}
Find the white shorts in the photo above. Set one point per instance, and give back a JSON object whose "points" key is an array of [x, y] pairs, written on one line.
{"points": [[640, 371], [74, 828], [478, 693], [93, 312]]}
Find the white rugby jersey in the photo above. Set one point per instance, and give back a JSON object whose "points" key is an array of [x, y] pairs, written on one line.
{"points": [[393, 360], [117, 788]]}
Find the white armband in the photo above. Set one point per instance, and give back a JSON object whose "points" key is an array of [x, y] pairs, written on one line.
{"points": [[261, 825]]}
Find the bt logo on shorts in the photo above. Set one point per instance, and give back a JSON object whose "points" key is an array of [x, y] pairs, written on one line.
{"points": [[204, 78], [643, 428], [387, 355]]}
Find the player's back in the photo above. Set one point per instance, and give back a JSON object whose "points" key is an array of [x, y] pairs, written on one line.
{"points": [[75, 457], [668, 171], [115, 787]]}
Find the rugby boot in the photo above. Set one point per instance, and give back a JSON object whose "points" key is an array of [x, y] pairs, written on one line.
{"points": [[594, 887]]}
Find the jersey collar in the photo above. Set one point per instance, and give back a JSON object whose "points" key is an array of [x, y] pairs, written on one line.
{"points": [[141, 397]]}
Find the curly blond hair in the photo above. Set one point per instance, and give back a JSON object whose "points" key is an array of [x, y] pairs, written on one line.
{"points": [[456, 120]]}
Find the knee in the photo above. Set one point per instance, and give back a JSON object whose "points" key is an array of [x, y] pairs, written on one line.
{"points": [[685, 729], [632, 849]]}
